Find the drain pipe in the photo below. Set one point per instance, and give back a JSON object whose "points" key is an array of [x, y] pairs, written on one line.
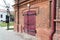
{"points": [[53, 16]]}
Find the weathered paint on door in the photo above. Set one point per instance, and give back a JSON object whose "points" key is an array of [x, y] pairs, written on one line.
{"points": [[30, 22]]}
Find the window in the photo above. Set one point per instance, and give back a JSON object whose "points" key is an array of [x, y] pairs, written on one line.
{"points": [[58, 9], [1, 16], [58, 2], [57, 20]]}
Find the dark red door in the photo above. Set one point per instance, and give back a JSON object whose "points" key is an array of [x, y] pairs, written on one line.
{"points": [[30, 22]]}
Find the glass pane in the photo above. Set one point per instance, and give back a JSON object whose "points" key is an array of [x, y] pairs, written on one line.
{"points": [[58, 9]]}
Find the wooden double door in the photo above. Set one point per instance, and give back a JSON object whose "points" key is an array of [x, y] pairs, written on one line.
{"points": [[30, 22]]}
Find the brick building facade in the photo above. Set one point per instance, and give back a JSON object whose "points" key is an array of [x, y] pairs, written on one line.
{"points": [[36, 17]]}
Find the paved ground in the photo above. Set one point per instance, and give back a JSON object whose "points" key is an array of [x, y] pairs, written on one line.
{"points": [[11, 35]]}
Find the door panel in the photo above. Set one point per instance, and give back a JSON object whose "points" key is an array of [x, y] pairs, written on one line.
{"points": [[25, 22]]}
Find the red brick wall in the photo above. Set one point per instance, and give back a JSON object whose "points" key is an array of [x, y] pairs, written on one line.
{"points": [[42, 18]]}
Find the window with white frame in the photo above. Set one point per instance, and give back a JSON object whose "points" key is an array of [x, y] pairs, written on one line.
{"points": [[1, 16]]}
